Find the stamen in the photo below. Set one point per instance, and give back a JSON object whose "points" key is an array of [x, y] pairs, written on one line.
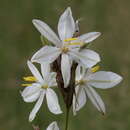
{"points": [[70, 39], [30, 78], [73, 43], [95, 69], [26, 85]]}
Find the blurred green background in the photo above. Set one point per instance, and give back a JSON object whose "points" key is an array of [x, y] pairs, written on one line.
{"points": [[19, 40]]}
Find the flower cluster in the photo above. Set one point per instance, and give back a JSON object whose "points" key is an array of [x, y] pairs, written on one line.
{"points": [[69, 65]]}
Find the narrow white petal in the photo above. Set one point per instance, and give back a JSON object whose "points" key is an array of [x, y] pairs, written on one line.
{"points": [[34, 71], [83, 71], [65, 69], [53, 126], [52, 79], [66, 25], [31, 93], [104, 79], [78, 72], [52, 102], [95, 99], [89, 58], [89, 37], [86, 57], [47, 32], [46, 54], [45, 69], [49, 77], [79, 99], [36, 107]]}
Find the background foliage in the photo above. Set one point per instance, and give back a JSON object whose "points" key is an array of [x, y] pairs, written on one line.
{"points": [[19, 40]]}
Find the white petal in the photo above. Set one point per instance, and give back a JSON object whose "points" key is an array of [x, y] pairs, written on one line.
{"points": [[52, 102], [65, 69], [89, 58], [31, 93], [83, 71], [66, 25], [53, 126], [86, 57], [34, 71], [104, 79], [36, 107], [46, 54], [79, 99], [78, 72], [45, 69], [52, 79], [89, 37], [47, 32], [49, 77], [95, 99]]}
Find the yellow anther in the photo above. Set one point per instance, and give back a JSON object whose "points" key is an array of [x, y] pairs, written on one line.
{"points": [[95, 69], [65, 49], [73, 43], [30, 78], [45, 86], [70, 39], [25, 85]]}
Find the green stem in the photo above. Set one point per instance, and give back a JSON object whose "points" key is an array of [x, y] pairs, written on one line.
{"points": [[67, 118]]}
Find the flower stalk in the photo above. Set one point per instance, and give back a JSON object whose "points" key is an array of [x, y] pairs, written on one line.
{"points": [[67, 118]]}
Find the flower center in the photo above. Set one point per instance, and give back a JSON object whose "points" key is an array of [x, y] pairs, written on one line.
{"points": [[45, 86], [80, 82], [65, 49]]}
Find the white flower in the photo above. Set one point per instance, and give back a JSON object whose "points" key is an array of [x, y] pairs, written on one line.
{"points": [[53, 126], [86, 80], [42, 87], [65, 45]]}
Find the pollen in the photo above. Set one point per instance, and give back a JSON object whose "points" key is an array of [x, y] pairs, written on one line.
{"points": [[65, 49], [30, 78], [95, 69]]}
